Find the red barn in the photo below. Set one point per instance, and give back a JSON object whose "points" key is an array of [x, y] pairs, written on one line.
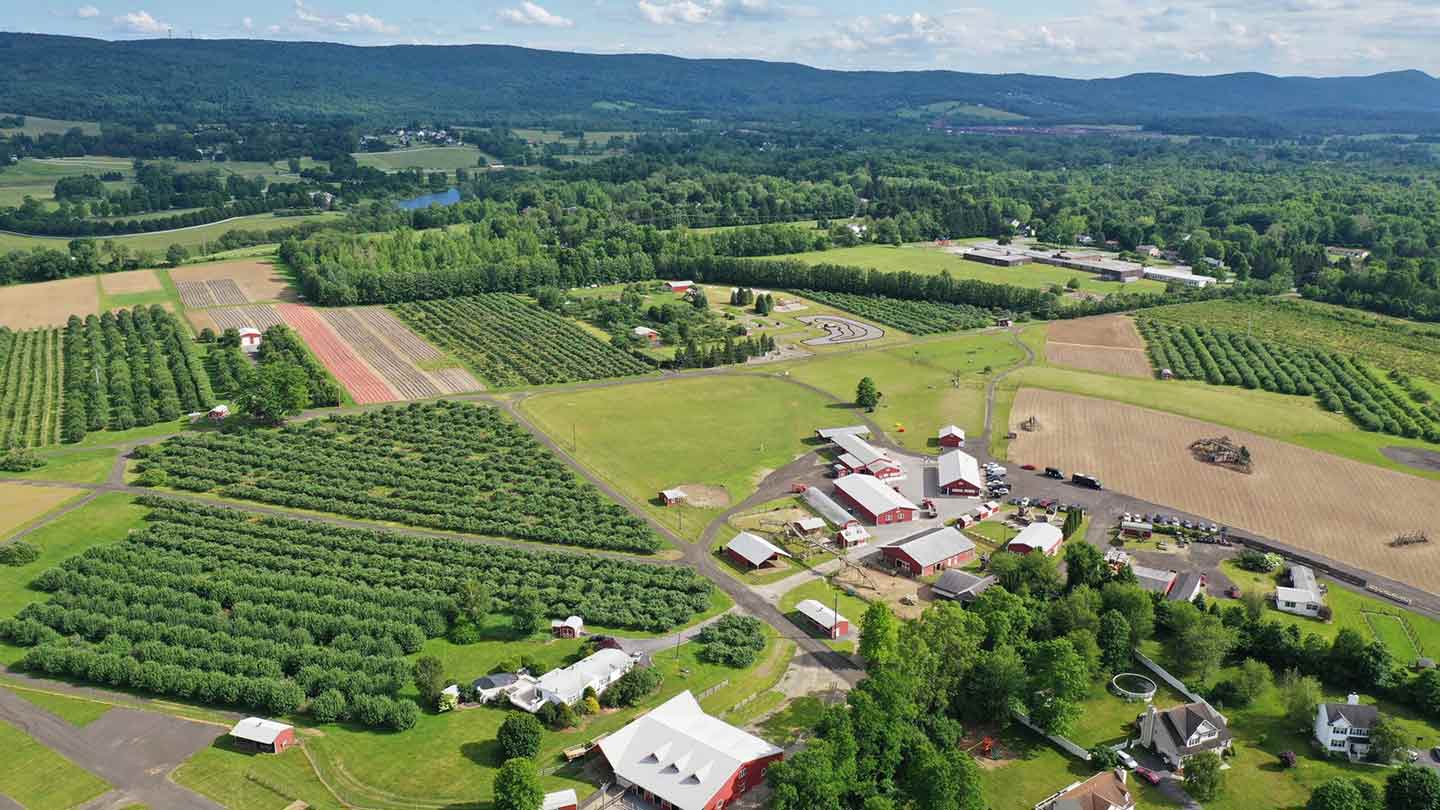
{"points": [[670, 497], [875, 499], [952, 436], [930, 552], [262, 736], [560, 800], [826, 620], [960, 474], [677, 756], [751, 551], [680, 287], [860, 456]]}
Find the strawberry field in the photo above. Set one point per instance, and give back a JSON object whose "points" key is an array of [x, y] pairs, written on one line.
{"points": [[273, 615], [445, 465]]}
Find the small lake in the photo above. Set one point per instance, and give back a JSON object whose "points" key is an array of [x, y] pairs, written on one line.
{"points": [[449, 197]]}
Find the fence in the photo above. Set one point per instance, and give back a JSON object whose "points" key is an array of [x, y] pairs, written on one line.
{"points": [[1320, 566], [712, 690], [1175, 683], [1066, 745]]}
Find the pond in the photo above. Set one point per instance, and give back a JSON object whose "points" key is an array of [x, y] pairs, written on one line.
{"points": [[449, 197]]}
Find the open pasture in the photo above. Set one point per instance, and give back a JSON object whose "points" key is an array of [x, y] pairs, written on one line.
{"points": [[1335, 507], [36, 125], [22, 503], [429, 158], [48, 303], [1108, 344]]}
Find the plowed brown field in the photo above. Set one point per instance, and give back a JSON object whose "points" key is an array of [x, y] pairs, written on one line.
{"points": [[49, 303], [257, 281], [131, 281], [1108, 344], [1342, 509]]}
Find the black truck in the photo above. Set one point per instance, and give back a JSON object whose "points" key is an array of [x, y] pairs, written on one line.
{"points": [[1080, 479]]}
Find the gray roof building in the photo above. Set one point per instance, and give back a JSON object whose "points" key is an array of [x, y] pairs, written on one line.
{"points": [[961, 585]]}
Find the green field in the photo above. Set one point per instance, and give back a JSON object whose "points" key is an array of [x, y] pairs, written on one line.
{"points": [[36, 125], [160, 240], [931, 261], [919, 383], [76, 466], [726, 431], [73, 710], [851, 607], [245, 781], [429, 158], [960, 109], [41, 779]]}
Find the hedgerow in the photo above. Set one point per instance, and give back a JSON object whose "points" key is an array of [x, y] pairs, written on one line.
{"points": [[262, 613], [445, 465]]}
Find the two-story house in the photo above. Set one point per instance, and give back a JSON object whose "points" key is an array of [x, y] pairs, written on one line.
{"points": [[1178, 733], [1344, 728]]}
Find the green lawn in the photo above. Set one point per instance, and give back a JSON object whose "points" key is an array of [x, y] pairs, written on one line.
{"points": [[104, 520], [90, 466], [73, 710], [931, 261], [41, 779], [245, 781], [429, 158], [918, 383], [851, 607], [36, 125], [720, 431]]}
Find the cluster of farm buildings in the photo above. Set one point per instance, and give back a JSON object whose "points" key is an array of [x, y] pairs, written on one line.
{"points": [[1104, 265]]}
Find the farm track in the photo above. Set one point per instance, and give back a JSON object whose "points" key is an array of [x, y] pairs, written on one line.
{"points": [[366, 387]]}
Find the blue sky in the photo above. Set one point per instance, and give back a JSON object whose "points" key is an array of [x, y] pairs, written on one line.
{"points": [[1058, 37]]}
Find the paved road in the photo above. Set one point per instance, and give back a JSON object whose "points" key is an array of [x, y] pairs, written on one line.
{"points": [[133, 751]]}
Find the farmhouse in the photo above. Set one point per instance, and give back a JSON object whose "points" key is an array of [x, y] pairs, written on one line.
{"points": [[1181, 732], [960, 474], [680, 287], [752, 551], [670, 497], [860, 456], [952, 436], [1187, 587], [263, 736], [647, 333], [829, 434], [568, 684], [1103, 791], [833, 512], [678, 756], [1041, 537], [1344, 728], [1303, 597], [250, 339], [560, 800], [961, 586], [875, 499], [1154, 580], [824, 618], [929, 552], [572, 627]]}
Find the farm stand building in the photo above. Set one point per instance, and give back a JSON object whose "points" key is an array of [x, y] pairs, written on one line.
{"points": [[876, 500], [929, 552], [829, 434], [678, 756], [960, 474], [1041, 537], [752, 551], [952, 436], [832, 623]]}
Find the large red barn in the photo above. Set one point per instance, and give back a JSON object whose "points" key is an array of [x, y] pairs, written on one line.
{"points": [[875, 499], [959, 474], [930, 552], [677, 756]]}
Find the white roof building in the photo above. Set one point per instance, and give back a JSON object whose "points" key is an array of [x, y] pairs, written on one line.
{"points": [[872, 494], [816, 612], [1042, 537], [828, 508], [934, 545], [809, 524], [1304, 597], [574, 623], [680, 754], [866, 453], [829, 434], [258, 730], [568, 684], [952, 431], [560, 799], [754, 549], [958, 465], [1180, 274]]}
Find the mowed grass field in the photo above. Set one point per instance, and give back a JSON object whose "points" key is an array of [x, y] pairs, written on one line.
{"points": [[932, 261], [720, 431], [429, 158], [36, 125], [40, 779], [918, 381], [160, 240]]}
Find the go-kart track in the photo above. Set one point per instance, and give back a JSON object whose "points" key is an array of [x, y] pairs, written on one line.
{"points": [[840, 330]]}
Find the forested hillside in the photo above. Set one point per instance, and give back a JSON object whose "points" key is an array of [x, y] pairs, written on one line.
{"points": [[167, 80]]}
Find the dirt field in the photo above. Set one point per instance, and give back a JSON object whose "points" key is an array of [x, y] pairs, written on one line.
{"points": [[396, 353], [886, 587], [1108, 344], [705, 496], [133, 281], [49, 303], [22, 503], [258, 281], [1336, 507]]}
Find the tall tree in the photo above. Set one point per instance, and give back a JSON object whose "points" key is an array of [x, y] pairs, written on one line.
{"points": [[475, 601], [879, 635], [1114, 640], [273, 391], [527, 613], [867, 396], [1412, 788], [429, 675], [1084, 565], [517, 786], [1204, 780]]}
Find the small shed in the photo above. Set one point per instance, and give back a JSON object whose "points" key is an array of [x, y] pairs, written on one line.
{"points": [[680, 287], [752, 551], [647, 333], [218, 413], [952, 436], [807, 526], [1167, 374], [852, 535], [250, 339], [824, 618], [670, 497], [573, 627], [560, 800], [262, 736]]}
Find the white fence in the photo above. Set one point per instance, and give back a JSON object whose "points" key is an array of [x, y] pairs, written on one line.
{"points": [[1066, 745]]}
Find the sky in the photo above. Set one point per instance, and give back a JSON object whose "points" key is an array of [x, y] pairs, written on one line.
{"points": [[1053, 37]]}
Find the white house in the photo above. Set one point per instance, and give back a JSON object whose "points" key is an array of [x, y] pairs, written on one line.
{"points": [[568, 684], [1344, 728], [1303, 597], [250, 338]]}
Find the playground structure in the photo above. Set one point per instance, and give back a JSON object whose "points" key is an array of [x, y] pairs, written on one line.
{"points": [[1222, 452], [1132, 686]]}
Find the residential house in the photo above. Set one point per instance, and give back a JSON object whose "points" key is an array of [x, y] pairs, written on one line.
{"points": [[1106, 790], [568, 684], [1303, 597], [489, 687], [1344, 728], [1181, 732]]}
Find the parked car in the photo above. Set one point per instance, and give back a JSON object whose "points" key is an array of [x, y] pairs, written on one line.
{"points": [[1027, 466], [1148, 775], [1125, 759], [1435, 753], [1024, 501], [1054, 472]]}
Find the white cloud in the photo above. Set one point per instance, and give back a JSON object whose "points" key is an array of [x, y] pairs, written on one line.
{"points": [[353, 22], [249, 23], [691, 12], [140, 22], [681, 11], [528, 13], [87, 12]]}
